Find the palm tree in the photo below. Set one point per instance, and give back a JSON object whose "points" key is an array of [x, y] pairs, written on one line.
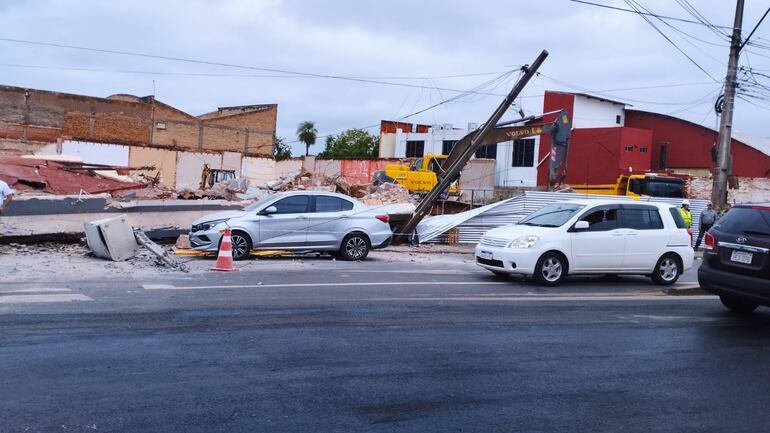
{"points": [[307, 134]]}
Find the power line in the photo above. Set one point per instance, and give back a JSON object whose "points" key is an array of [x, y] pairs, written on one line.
{"points": [[754, 29], [228, 65], [474, 90], [647, 13], [631, 3], [218, 74], [606, 95], [689, 8]]}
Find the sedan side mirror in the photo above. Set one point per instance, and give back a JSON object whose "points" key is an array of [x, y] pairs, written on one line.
{"points": [[581, 225], [268, 210]]}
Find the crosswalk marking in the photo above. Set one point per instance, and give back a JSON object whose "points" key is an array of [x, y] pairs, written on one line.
{"points": [[42, 298], [34, 290]]}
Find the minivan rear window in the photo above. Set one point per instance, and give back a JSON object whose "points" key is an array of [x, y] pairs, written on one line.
{"points": [[678, 220], [745, 220], [641, 218]]}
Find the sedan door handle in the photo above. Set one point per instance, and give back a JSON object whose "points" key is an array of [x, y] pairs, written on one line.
{"points": [[344, 216], [617, 234], [301, 217], [631, 233]]}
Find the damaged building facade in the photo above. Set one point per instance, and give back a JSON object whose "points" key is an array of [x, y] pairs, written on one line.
{"points": [[131, 131], [608, 138]]}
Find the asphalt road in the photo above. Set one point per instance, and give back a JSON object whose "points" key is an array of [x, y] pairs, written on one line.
{"points": [[366, 347]]}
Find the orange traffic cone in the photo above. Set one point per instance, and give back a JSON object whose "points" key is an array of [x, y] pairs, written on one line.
{"points": [[225, 256]]}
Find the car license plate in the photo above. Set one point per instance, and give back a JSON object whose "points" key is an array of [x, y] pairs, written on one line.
{"points": [[741, 257], [486, 255]]}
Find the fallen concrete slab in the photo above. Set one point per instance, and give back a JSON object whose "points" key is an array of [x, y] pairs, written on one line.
{"points": [[62, 218], [111, 238]]}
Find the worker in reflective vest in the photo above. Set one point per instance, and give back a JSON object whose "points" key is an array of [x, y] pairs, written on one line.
{"points": [[686, 214]]}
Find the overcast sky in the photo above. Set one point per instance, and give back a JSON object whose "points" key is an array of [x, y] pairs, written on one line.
{"points": [[419, 47]]}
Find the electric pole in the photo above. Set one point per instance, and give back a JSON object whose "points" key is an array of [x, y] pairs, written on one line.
{"points": [[724, 159]]}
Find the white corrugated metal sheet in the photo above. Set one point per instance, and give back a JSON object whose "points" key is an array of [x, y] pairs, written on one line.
{"points": [[474, 223]]}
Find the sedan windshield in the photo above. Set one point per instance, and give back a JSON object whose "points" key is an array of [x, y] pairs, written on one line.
{"points": [[553, 215], [256, 205]]}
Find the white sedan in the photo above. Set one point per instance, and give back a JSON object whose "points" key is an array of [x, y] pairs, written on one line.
{"points": [[591, 237]]}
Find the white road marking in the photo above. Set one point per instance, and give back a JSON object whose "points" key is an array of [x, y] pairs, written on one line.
{"points": [[424, 272], [34, 290], [554, 298], [36, 299], [158, 287], [684, 286], [273, 286]]}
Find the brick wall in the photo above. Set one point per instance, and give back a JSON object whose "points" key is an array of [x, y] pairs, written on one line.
{"points": [[29, 116]]}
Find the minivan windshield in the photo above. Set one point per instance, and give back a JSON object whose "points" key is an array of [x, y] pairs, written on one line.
{"points": [[552, 215]]}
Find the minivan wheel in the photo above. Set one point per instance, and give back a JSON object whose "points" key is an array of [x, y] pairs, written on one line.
{"points": [[738, 306], [550, 269], [241, 245], [354, 247], [667, 270]]}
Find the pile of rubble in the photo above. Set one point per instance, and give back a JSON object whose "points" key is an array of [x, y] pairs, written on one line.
{"points": [[305, 181], [387, 193]]}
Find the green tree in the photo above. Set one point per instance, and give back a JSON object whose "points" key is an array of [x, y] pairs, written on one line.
{"points": [[281, 150], [353, 143], [307, 134]]}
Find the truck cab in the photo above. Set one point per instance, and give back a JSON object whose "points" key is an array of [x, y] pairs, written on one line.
{"points": [[638, 185]]}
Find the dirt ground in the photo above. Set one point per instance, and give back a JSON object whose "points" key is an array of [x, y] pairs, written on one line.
{"points": [[72, 262]]}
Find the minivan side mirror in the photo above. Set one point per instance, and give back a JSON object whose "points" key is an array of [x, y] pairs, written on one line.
{"points": [[581, 225], [268, 210]]}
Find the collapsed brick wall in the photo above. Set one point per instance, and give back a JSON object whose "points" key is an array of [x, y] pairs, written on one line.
{"points": [[32, 116]]}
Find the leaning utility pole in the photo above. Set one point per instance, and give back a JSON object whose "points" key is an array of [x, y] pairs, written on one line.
{"points": [[724, 159]]}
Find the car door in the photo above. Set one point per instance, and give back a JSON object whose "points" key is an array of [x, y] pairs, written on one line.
{"points": [[645, 236], [287, 227], [328, 221], [598, 248]]}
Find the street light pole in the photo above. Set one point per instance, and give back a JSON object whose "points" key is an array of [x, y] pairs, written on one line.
{"points": [[722, 168]]}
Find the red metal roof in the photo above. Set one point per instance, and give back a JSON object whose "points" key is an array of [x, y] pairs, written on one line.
{"points": [[26, 174]]}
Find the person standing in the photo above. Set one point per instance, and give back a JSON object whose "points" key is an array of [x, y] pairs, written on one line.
{"points": [[707, 219], [6, 195], [684, 211]]}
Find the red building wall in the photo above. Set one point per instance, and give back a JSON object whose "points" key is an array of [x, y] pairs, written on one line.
{"points": [[599, 155], [689, 145]]}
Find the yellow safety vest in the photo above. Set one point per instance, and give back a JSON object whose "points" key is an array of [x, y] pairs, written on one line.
{"points": [[687, 216]]}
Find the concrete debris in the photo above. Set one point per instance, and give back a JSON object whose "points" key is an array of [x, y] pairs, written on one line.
{"points": [[306, 181], [159, 251], [747, 189], [111, 238], [388, 193], [183, 242]]}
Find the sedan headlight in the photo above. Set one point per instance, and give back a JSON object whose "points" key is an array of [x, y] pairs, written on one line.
{"points": [[207, 225], [524, 242]]}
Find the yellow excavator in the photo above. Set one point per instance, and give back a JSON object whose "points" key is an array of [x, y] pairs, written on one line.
{"points": [[424, 174], [420, 177]]}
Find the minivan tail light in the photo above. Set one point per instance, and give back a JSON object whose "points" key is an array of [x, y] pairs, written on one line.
{"points": [[709, 243], [383, 218]]}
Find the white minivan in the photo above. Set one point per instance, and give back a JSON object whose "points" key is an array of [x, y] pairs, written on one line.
{"points": [[591, 237]]}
